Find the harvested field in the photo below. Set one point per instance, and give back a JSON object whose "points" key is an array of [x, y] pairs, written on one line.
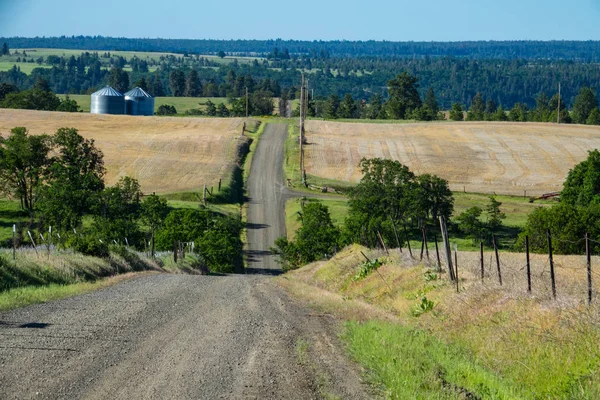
{"points": [[164, 154], [506, 158]]}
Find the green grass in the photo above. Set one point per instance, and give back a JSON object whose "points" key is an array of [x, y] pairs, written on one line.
{"points": [[26, 68], [410, 364], [24, 296], [10, 213], [338, 210], [182, 104]]}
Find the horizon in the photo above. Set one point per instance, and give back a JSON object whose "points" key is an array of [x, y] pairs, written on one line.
{"points": [[520, 20]]}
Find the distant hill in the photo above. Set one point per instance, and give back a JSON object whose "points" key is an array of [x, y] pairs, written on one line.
{"points": [[581, 51]]}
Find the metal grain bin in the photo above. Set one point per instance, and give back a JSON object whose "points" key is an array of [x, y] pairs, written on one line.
{"points": [[107, 101], [139, 102]]}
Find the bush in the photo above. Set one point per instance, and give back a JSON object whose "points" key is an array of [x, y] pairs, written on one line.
{"points": [[89, 245], [166, 110]]}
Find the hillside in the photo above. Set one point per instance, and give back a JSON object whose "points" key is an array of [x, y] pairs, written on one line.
{"points": [[164, 154], [485, 157]]}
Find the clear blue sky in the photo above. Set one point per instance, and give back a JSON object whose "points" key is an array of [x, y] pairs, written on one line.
{"points": [[396, 20]]}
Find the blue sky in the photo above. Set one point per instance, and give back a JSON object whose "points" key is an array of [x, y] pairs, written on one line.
{"points": [[395, 20]]}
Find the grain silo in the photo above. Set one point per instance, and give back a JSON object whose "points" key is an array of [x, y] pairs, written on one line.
{"points": [[139, 102], [107, 101]]}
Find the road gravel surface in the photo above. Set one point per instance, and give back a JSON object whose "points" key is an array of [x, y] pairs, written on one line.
{"points": [[165, 336]]}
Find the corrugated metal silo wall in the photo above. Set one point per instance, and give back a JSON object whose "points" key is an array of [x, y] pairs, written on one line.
{"points": [[146, 106], [107, 105]]}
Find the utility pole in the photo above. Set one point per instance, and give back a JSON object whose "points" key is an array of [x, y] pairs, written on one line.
{"points": [[558, 113], [301, 126], [246, 101]]}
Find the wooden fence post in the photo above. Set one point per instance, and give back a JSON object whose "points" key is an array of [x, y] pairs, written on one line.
{"points": [[437, 254], [456, 265], [528, 264], [497, 259], [589, 268], [396, 234], [447, 247], [481, 260], [551, 264], [407, 240], [219, 184], [383, 243], [425, 241]]}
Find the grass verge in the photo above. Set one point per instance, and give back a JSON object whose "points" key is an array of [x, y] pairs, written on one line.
{"points": [[418, 338]]}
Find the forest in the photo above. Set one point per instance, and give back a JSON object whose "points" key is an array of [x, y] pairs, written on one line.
{"points": [[454, 79]]}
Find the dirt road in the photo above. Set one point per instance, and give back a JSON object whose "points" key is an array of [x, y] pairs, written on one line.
{"points": [[181, 336], [267, 195]]}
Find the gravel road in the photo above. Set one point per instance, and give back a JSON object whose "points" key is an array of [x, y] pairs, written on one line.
{"points": [[162, 336]]}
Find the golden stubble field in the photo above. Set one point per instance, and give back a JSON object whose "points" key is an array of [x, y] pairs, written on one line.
{"points": [[486, 157], [164, 154]]}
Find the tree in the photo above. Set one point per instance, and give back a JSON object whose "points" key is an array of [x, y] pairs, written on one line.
{"points": [[584, 103], [116, 211], [456, 113], [177, 83], [158, 90], [316, 239], [332, 107], [221, 54], [222, 110], [434, 198], [494, 215], [348, 107], [469, 222], [211, 110], [142, 84], [582, 186], [430, 106], [477, 110], [193, 87], [165, 109], [594, 118], [24, 163], [542, 110], [375, 107], [68, 105], [490, 109], [75, 176], [404, 97], [5, 50], [519, 113], [500, 115], [118, 79], [154, 213], [565, 116], [261, 102], [6, 88]]}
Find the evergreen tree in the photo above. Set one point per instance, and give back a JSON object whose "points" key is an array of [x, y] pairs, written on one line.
{"points": [[519, 113], [456, 113], [118, 79], [542, 110], [222, 110], [500, 115], [404, 97], [158, 90], [594, 118], [142, 84], [584, 103], [211, 110], [490, 109], [565, 117], [375, 107], [430, 106], [193, 87], [177, 83], [332, 107], [477, 110], [348, 107], [5, 51]]}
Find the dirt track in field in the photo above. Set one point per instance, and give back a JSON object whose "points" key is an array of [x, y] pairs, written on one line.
{"points": [[165, 154], [506, 158]]}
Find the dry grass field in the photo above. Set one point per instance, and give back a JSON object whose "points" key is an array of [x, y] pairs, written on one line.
{"points": [[165, 154], [485, 157]]}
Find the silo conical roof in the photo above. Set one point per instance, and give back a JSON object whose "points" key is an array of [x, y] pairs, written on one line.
{"points": [[108, 91], [137, 92]]}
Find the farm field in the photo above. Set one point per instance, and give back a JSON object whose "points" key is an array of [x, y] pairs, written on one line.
{"points": [[165, 154], [502, 158], [182, 104]]}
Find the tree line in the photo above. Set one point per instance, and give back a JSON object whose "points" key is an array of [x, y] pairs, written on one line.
{"points": [[454, 79], [526, 49], [59, 181]]}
